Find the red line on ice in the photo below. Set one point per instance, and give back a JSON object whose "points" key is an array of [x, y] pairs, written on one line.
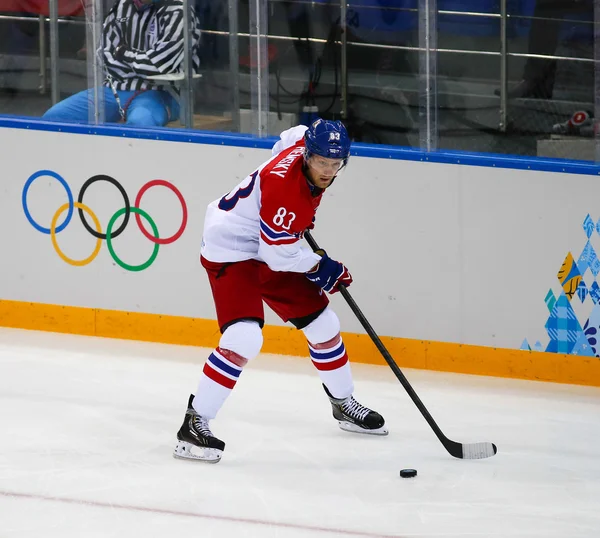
{"points": [[229, 519]]}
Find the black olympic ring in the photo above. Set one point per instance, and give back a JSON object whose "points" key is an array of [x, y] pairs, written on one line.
{"points": [[113, 181]]}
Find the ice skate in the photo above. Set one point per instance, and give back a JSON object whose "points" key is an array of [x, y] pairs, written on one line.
{"points": [[195, 441], [354, 417]]}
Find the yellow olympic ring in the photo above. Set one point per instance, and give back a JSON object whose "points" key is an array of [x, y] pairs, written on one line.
{"points": [[62, 209]]}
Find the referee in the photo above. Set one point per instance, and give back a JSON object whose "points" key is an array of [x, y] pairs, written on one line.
{"points": [[140, 38]]}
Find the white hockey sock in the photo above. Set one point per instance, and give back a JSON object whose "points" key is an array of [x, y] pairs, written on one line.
{"points": [[331, 361], [220, 374]]}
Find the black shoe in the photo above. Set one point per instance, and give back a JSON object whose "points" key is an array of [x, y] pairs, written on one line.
{"points": [[195, 440], [354, 417]]}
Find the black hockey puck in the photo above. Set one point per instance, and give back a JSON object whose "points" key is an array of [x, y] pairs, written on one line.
{"points": [[408, 473]]}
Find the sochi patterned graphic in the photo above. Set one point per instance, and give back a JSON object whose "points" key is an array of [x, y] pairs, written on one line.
{"points": [[110, 234], [577, 279]]}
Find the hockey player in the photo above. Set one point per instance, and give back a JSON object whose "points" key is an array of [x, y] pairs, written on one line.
{"points": [[252, 241]]}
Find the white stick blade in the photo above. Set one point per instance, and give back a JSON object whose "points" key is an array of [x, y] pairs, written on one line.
{"points": [[478, 451]]}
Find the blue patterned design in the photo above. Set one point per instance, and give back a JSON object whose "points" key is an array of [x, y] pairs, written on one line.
{"points": [[564, 329], [595, 292], [525, 345], [562, 326], [595, 266], [588, 226], [582, 346], [550, 300], [592, 330], [582, 291], [591, 334], [587, 255]]}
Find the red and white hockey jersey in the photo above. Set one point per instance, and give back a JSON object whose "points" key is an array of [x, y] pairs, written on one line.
{"points": [[265, 216]]}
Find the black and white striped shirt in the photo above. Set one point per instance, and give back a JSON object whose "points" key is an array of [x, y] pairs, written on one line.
{"points": [[153, 39]]}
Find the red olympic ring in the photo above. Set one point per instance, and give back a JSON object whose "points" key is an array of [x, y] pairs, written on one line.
{"points": [[177, 235]]}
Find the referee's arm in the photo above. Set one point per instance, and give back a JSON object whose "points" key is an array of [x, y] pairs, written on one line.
{"points": [[111, 39]]}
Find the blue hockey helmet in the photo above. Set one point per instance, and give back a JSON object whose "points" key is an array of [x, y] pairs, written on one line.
{"points": [[327, 139]]}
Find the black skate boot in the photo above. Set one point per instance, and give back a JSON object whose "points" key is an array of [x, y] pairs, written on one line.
{"points": [[195, 441], [353, 417]]}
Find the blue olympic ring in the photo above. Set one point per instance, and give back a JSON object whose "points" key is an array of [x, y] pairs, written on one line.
{"points": [[31, 179]]}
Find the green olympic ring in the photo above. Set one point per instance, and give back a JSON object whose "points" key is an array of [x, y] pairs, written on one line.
{"points": [[55, 228], [118, 260]]}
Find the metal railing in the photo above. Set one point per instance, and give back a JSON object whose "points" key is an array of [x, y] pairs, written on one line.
{"points": [[53, 20], [503, 52], [233, 35]]}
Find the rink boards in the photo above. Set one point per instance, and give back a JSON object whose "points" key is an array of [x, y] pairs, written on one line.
{"points": [[458, 263]]}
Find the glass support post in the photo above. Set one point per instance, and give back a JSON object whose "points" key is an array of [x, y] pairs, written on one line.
{"points": [[187, 88], [259, 70], [428, 131], [344, 59], [596, 81], [55, 90], [234, 64], [94, 13], [503, 66]]}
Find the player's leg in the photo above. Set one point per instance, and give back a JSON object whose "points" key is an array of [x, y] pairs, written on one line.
{"points": [[328, 354], [240, 317], [149, 109], [299, 301], [72, 109], [75, 108]]}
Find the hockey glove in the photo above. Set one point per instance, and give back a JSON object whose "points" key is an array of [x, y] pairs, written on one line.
{"points": [[329, 274]]}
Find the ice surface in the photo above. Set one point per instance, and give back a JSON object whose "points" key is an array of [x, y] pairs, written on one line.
{"points": [[87, 429]]}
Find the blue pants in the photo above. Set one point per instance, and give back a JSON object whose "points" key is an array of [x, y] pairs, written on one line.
{"points": [[153, 108]]}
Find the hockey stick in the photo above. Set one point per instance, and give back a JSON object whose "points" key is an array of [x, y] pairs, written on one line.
{"points": [[470, 451]]}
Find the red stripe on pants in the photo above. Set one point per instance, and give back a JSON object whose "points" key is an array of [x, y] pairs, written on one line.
{"points": [[217, 377], [333, 365]]}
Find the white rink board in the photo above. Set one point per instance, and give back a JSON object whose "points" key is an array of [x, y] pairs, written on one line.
{"points": [[437, 251]]}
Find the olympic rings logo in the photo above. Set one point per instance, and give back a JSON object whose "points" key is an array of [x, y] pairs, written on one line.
{"points": [[96, 231]]}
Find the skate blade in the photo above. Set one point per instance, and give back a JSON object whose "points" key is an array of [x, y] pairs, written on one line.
{"points": [[187, 451], [349, 427]]}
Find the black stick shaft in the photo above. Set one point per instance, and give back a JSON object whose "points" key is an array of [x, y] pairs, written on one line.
{"points": [[386, 354]]}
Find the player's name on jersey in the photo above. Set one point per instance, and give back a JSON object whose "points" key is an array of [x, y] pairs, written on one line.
{"points": [[286, 162]]}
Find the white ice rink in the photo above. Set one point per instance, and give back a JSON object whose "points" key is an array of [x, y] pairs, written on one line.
{"points": [[87, 429]]}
